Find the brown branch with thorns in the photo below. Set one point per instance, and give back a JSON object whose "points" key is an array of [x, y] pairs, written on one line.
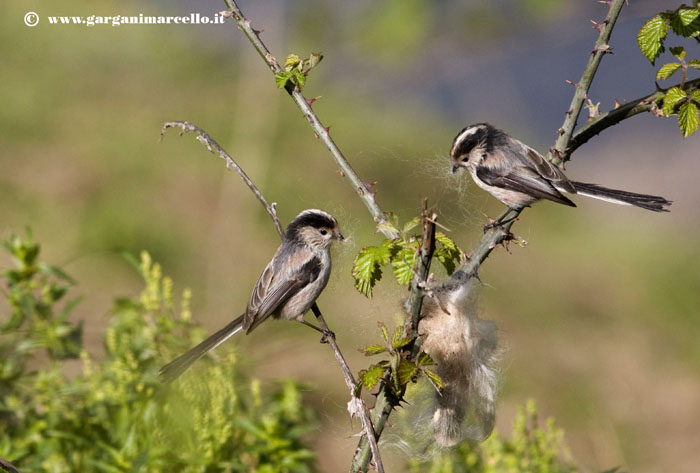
{"points": [[356, 406], [566, 143]]}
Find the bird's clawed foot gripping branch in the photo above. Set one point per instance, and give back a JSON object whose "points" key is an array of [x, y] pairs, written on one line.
{"points": [[411, 255]]}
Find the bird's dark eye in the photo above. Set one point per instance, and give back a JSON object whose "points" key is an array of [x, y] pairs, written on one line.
{"points": [[483, 156], [324, 231], [465, 159]]}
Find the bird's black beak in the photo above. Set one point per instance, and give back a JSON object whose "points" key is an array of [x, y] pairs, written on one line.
{"points": [[341, 237], [455, 168]]}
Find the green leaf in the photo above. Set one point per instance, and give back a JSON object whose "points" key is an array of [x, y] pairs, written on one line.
{"points": [[281, 79], [291, 62], [401, 342], [695, 95], [448, 255], [366, 267], [685, 22], [410, 225], [373, 350], [299, 78], [371, 377], [667, 70], [434, 378], [387, 227], [651, 35], [404, 261], [671, 99], [688, 119], [385, 332], [694, 63], [56, 272], [424, 359], [407, 370]]}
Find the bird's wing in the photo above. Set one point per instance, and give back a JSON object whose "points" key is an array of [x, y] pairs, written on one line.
{"points": [[275, 287], [522, 179], [548, 170]]}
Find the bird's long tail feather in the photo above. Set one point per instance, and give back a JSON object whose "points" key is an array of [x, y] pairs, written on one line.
{"points": [[178, 366], [645, 201]]}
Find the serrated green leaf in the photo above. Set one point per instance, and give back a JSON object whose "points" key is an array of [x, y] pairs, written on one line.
{"points": [[385, 332], [299, 79], [434, 378], [424, 359], [410, 225], [371, 376], [694, 63], [407, 370], [667, 70], [404, 260], [401, 342], [291, 62], [445, 241], [448, 254], [281, 79], [373, 350], [651, 35], [366, 267], [688, 119], [396, 336], [685, 22], [403, 271], [671, 99], [695, 95]]}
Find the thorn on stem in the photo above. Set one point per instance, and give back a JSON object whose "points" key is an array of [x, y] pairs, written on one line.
{"points": [[575, 84], [311, 101], [257, 32]]}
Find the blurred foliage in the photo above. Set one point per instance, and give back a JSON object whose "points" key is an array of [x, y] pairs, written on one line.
{"points": [[532, 448], [114, 415], [684, 22]]}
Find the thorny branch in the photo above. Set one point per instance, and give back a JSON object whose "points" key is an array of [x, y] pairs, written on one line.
{"points": [[8, 467], [560, 152], [386, 402], [305, 107], [616, 115], [501, 233], [601, 48], [356, 406]]}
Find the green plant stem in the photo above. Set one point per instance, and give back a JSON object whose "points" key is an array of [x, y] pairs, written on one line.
{"points": [[303, 104], [601, 48]]}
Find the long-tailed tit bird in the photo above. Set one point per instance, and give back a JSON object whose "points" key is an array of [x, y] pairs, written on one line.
{"points": [[518, 176], [286, 289]]}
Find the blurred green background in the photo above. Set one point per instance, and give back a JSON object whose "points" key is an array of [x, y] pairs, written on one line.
{"points": [[598, 313]]}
